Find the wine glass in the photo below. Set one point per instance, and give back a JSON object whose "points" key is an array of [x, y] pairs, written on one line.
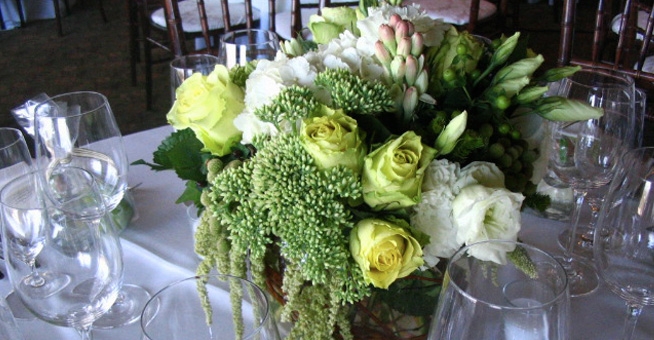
{"points": [[178, 310], [25, 221], [584, 155], [241, 46], [624, 239], [522, 299], [79, 129], [79, 242], [607, 80], [184, 66]]}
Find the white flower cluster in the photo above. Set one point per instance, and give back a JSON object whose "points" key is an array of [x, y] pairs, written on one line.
{"points": [[461, 206]]}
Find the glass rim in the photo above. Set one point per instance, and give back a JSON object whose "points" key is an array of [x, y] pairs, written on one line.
{"points": [[635, 155], [33, 177], [16, 133], [272, 36], [39, 113], [191, 57], [462, 253], [218, 276]]}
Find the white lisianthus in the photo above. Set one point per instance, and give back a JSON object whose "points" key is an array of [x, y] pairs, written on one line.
{"points": [[481, 213], [432, 30], [440, 172], [484, 173]]}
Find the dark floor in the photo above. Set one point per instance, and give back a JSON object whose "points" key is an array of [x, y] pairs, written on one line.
{"points": [[93, 55]]}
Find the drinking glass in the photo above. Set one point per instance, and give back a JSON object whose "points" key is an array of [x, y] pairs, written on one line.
{"points": [[510, 299], [177, 311], [241, 46], [624, 239], [78, 129], [184, 66], [80, 243], [584, 155], [25, 234]]}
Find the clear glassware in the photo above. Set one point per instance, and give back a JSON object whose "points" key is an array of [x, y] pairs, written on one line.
{"points": [[241, 46], [25, 234], [176, 311], [184, 66], [78, 129], [81, 244], [624, 239], [490, 300], [584, 156]]}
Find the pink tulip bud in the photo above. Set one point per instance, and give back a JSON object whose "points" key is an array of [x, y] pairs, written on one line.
{"points": [[401, 30], [404, 47], [398, 69], [417, 44], [387, 37], [394, 19], [411, 70], [382, 53], [410, 100], [411, 28]]}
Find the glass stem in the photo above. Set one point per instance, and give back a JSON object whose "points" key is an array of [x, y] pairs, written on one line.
{"points": [[35, 280], [574, 223], [85, 333], [633, 312]]}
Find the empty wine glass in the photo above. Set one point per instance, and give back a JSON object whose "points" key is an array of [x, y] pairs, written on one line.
{"points": [[624, 239], [178, 311], [25, 229], [242, 46], [79, 242], [584, 155], [523, 296], [79, 129]]}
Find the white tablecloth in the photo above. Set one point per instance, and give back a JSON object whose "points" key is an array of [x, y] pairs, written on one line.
{"points": [[158, 249]]}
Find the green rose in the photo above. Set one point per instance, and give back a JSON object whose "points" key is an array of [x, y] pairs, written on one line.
{"points": [[333, 140], [384, 251], [392, 174], [332, 22], [208, 105]]}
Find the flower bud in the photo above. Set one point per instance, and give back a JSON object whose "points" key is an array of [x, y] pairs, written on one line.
{"points": [[387, 37], [404, 47], [398, 69], [521, 68], [503, 52], [411, 70], [412, 28], [410, 100], [401, 30], [422, 82], [567, 110], [450, 135], [417, 44], [394, 19], [556, 74], [382, 53], [531, 94]]}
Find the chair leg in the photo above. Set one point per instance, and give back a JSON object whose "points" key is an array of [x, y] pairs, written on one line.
{"points": [[57, 10], [132, 15], [104, 15], [21, 15], [2, 21]]}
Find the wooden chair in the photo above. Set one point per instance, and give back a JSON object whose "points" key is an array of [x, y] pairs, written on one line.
{"points": [[627, 51], [21, 15], [57, 11], [186, 27], [290, 22]]}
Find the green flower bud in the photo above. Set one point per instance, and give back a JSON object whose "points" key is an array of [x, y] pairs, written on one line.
{"points": [[503, 52], [521, 68], [556, 74], [387, 37], [382, 54], [422, 82], [446, 141], [417, 44], [531, 94], [567, 110], [410, 100], [398, 69], [411, 70]]}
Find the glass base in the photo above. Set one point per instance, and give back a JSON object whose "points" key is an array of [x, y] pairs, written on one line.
{"points": [[126, 310], [43, 285], [583, 242], [18, 307], [582, 276]]}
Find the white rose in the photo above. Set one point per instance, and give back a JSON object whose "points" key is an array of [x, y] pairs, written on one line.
{"points": [[482, 213], [484, 173]]}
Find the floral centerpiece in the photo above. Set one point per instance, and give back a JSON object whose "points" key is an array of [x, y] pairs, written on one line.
{"points": [[350, 165]]}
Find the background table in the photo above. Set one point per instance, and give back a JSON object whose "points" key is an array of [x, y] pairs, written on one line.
{"points": [[158, 249]]}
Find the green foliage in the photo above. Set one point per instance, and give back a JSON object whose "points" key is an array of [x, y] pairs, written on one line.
{"points": [[291, 104], [522, 261], [537, 202], [239, 74], [181, 152], [415, 295]]}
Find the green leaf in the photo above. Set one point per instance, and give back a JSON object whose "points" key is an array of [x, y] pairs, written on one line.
{"points": [[192, 193], [413, 295], [182, 152]]}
